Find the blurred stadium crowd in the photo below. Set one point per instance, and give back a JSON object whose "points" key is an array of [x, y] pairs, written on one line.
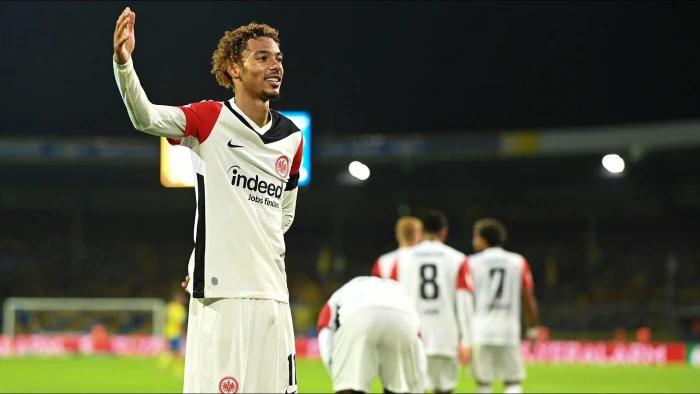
{"points": [[607, 254]]}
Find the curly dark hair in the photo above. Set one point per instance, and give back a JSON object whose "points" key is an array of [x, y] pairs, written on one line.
{"points": [[492, 230], [232, 45]]}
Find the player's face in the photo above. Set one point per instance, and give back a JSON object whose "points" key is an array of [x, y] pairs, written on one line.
{"points": [[261, 72]]}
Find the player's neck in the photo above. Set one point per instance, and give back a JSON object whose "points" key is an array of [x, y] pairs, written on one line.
{"points": [[257, 110], [432, 237]]}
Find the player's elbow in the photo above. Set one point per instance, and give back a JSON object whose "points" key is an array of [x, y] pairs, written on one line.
{"points": [[140, 124], [146, 121], [147, 127], [287, 221], [143, 123]]}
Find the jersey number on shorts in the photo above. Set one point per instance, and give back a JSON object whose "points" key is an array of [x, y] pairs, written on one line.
{"points": [[429, 289], [497, 277]]}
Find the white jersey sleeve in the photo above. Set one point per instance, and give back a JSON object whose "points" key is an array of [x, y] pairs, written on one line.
{"points": [[384, 265], [160, 120], [289, 205], [499, 277], [434, 274]]}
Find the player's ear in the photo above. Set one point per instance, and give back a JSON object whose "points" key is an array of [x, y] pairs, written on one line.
{"points": [[233, 69]]}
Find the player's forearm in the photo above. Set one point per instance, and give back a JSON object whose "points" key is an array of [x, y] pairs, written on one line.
{"points": [[325, 346], [465, 313], [289, 205], [532, 315], [160, 120]]}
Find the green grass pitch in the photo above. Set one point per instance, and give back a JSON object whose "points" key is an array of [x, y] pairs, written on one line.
{"points": [[122, 374]]}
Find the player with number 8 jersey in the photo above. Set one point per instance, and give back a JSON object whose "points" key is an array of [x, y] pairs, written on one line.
{"points": [[435, 276]]}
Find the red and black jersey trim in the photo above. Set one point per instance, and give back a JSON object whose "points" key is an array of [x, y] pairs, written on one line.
{"points": [[200, 242], [281, 127], [293, 182]]}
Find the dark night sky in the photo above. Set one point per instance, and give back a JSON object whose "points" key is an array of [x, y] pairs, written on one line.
{"points": [[362, 67]]}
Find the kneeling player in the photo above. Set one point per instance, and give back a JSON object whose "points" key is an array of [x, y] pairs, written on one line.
{"points": [[370, 327]]}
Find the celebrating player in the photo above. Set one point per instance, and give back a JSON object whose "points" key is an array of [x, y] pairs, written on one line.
{"points": [[435, 276], [246, 159], [500, 278], [409, 231], [369, 327]]}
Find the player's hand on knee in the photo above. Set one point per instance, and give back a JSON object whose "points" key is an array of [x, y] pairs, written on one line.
{"points": [[465, 354], [124, 39]]}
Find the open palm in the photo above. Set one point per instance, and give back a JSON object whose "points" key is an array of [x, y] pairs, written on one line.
{"points": [[124, 39]]}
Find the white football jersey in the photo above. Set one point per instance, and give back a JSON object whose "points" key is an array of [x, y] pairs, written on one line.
{"points": [[433, 273], [498, 277], [384, 264], [242, 172], [363, 292]]}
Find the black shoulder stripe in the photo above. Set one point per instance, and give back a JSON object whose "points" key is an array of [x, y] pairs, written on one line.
{"points": [[293, 182], [239, 116], [281, 127]]}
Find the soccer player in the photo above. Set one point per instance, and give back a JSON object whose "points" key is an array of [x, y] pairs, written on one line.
{"points": [[409, 231], [435, 276], [175, 316], [369, 327], [501, 280], [246, 159]]}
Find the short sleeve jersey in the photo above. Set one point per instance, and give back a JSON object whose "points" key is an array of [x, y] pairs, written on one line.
{"points": [[384, 264], [241, 175], [433, 273], [499, 278]]}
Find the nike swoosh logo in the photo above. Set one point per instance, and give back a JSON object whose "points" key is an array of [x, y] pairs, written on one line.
{"points": [[230, 145]]}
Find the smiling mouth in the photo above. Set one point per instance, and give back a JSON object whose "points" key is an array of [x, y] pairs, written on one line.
{"points": [[275, 81]]}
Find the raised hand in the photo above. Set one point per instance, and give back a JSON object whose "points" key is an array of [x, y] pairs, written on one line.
{"points": [[124, 39]]}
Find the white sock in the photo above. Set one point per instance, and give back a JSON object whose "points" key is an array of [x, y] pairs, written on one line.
{"points": [[483, 388], [513, 389]]}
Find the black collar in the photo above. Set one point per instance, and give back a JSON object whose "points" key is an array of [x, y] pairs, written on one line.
{"points": [[281, 127]]}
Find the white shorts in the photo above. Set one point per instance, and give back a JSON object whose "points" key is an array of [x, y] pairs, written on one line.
{"points": [[497, 362], [442, 373], [378, 341], [237, 345]]}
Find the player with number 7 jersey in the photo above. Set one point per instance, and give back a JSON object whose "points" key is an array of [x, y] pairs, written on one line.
{"points": [[502, 281], [435, 276]]}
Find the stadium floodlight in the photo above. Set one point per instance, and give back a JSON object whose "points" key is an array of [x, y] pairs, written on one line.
{"points": [[359, 170], [613, 163]]}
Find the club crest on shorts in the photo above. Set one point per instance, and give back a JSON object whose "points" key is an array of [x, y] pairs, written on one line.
{"points": [[282, 166], [228, 385]]}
